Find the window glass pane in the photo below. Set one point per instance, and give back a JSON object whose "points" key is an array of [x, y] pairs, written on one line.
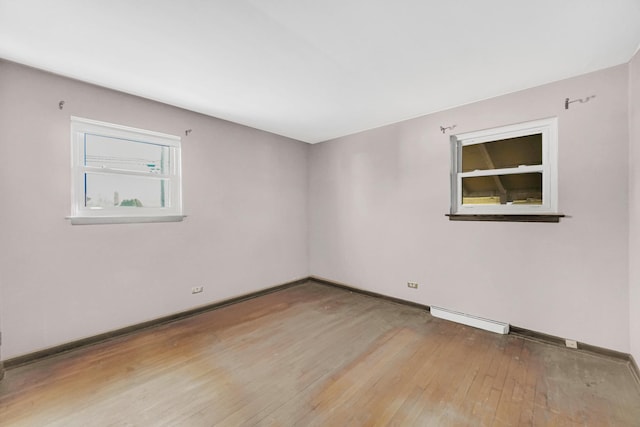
{"points": [[108, 191], [122, 154], [516, 189], [505, 153]]}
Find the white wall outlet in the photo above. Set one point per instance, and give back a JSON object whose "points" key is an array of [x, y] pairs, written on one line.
{"points": [[412, 285], [197, 289], [571, 343]]}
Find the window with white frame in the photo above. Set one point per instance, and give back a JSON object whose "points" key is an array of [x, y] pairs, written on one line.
{"points": [[506, 170], [123, 174]]}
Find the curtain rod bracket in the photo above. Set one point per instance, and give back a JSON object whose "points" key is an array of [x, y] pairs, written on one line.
{"points": [[444, 129], [582, 101]]}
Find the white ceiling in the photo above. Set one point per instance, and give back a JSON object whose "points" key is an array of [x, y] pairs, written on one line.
{"points": [[315, 70]]}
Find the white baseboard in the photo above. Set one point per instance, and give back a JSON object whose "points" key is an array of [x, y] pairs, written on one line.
{"points": [[466, 319]]}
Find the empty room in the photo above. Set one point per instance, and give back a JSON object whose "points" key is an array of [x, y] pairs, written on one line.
{"points": [[330, 213]]}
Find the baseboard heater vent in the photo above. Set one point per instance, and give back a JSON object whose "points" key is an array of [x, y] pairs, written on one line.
{"points": [[466, 319]]}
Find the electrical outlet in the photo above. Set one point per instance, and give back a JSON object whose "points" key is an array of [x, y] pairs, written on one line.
{"points": [[571, 343], [412, 285], [197, 289]]}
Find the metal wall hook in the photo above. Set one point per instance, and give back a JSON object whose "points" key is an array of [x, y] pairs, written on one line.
{"points": [[582, 101], [187, 132], [444, 129], [61, 105]]}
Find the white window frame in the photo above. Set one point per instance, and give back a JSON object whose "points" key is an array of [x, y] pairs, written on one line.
{"points": [[81, 214], [549, 168]]}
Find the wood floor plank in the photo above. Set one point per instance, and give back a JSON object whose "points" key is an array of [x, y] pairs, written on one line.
{"points": [[315, 355]]}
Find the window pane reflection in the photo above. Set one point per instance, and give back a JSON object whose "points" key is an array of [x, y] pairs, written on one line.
{"points": [[505, 153], [122, 154], [108, 191], [516, 189]]}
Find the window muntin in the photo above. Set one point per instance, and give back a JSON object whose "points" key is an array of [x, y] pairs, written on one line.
{"points": [[123, 174], [506, 170]]}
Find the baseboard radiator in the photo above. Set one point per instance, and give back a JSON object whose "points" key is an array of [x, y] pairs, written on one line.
{"points": [[467, 319]]}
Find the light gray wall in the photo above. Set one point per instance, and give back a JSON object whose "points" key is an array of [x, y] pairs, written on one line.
{"points": [[378, 201], [245, 194], [634, 205]]}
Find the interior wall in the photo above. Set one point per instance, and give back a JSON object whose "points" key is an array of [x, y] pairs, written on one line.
{"points": [[244, 191], [634, 205], [375, 201], [378, 201]]}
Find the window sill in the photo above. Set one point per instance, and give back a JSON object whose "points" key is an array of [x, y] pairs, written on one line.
{"points": [[507, 217], [85, 220]]}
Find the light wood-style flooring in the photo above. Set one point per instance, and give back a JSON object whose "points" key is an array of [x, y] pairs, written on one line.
{"points": [[316, 355]]}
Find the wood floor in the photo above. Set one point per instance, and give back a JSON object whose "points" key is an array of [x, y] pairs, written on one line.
{"points": [[315, 355]]}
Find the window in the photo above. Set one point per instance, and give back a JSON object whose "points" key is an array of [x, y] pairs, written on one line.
{"points": [[509, 170], [122, 174]]}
